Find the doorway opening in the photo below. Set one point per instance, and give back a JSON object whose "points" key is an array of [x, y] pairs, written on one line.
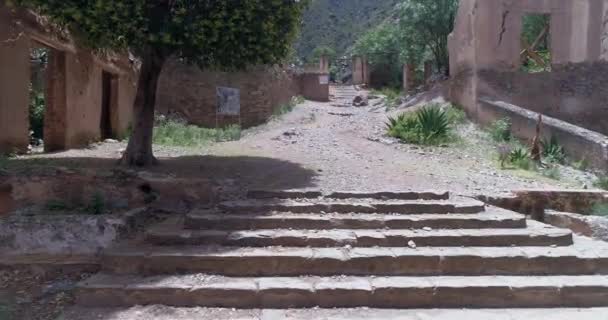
{"points": [[109, 83], [39, 68], [536, 43]]}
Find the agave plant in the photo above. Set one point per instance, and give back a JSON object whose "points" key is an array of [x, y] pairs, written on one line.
{"points": [[434, 123], [553, 151]]}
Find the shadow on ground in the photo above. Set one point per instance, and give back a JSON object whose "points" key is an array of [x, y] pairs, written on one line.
{"points": [[245, 171]]}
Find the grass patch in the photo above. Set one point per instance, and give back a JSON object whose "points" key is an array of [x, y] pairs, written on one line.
{"points": [[430, 125], [581, 165], [392, 96], [599, 209], [601, 182], [176, 133], [500, 130], [552, 172], [287, 107]]}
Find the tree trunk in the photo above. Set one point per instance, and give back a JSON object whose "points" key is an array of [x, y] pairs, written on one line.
{"points": [[139, 151]]}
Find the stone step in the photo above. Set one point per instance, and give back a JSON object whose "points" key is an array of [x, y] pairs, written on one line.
{"points": [[398, 195], [337, 206], [488, 220], [173, 313], [362, 237], [340, 292], [581, 259]]}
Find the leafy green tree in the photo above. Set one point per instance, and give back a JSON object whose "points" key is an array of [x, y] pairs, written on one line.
{"points": [[229, 34], [320, 51], [426, 25]]}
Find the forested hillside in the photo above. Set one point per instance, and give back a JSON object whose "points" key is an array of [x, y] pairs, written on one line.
{"points": [[339, 23]]}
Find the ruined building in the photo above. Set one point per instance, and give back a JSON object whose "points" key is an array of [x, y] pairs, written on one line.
{"points": [[486, 59], [87, 97]]}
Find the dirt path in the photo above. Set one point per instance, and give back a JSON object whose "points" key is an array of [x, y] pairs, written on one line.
{"points": [[334, 146], [346, 148]]}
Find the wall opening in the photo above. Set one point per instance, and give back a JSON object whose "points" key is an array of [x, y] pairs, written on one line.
{"points": [[536, 43], [109, 84], [55, 114], [39, 59]]}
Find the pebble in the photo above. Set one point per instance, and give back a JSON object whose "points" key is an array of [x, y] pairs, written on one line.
{"points": [[411, 244]]}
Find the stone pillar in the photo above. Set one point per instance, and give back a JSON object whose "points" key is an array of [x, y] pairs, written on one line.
{"points": [[409, 76], [358, 76], [14, 88], [366, 71], [55, 115], [324, 64], [428, 71]]}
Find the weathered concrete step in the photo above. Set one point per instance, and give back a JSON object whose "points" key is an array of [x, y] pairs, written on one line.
{"points": [[335, 292], [363, 237], [206, 220], [157, 312], [397, 195], [290, 261], [341, 206]]}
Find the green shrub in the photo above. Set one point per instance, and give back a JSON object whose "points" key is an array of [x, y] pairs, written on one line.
{"points": [[392, 96], [552, 151], [582, 164], [57, 205], [427, 126], [520, 158], [169, 132], [456, 115], [601, 182], [287, 107], [599, 209], [500, 130], [552, 172], [36, 114], [97, 204]]}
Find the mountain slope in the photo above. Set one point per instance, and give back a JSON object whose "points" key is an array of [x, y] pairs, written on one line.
{"points": [[339, 23]]}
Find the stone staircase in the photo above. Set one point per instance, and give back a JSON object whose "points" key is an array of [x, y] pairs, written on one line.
{"points": [[397, 250], [343, 95]]}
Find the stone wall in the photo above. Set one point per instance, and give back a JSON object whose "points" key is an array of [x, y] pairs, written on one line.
{"points": [[314, 86], [485, 49], [73, 86], [191, 93], [576, 93]]}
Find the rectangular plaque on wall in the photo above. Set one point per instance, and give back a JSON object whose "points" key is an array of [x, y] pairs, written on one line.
{"points": [[324, 79], [228, 101]]}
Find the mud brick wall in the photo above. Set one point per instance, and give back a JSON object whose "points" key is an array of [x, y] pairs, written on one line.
{"points": [[191, 93], [575, 93]]}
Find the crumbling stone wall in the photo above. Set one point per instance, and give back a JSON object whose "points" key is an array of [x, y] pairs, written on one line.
{"points": [[485, 49], [191, 92], [576, 93], [74, 85]]}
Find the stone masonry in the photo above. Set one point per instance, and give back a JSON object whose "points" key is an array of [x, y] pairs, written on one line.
{"points": [[396, 250]]}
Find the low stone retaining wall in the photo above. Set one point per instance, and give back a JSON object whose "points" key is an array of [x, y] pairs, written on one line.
{"points": [[579, 143], [44, 236], [590, 226]]}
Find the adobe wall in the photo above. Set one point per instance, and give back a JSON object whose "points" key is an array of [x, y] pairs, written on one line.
{"points": [[487, 36], [485, 60], [314, 86], [14, 79], [577, 93], [191, 93], [74, 86]]}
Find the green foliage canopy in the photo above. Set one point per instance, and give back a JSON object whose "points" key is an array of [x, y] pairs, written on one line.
{"points": [[225, 34], [418, 30], [320, 51]]}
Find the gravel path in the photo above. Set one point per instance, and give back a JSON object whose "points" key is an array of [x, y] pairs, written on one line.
{"points": [[329, 147]]}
